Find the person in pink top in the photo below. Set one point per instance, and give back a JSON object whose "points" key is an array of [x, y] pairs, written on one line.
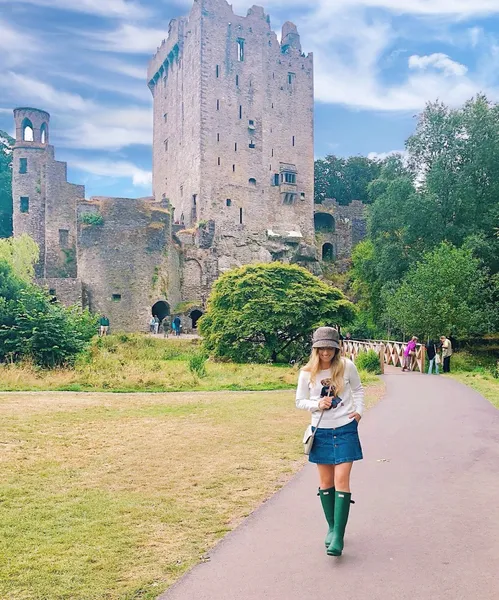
{"points": [[409, 353]]}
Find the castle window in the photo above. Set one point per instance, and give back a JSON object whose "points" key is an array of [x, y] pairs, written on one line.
{"points": [[228, 202], [116, 297], [27, 128], [52, 292], [289, 198], [252, 144], [240, 111], [219, 161], [165, 117], [194, 199], [233, 168], [252, 181], [23, 165], [288, 177], [218, 137], [64, 238], [272, 152], [328, 252], [275, 179], [235, 147], [251, 125], [291, 78], [181, 191], [240, 50], [324, 223], [43, 133], [24, 204], [166, 145], [240, 216], [237, 80], [217, 71], [302, 196], [218, 104], [293, 140]]}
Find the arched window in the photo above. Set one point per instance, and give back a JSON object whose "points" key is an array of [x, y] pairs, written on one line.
{"points": [[328, 252], [195, 316], [27, 128], [252, 181], [44, 134], [324, 223]]}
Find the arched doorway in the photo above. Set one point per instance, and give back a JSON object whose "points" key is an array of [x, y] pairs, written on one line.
{"points": [[161, 310], [328, 252], [324, 223], [195, 316]]}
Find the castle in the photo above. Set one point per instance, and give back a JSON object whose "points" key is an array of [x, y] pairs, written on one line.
{"points": [[233, 178]]}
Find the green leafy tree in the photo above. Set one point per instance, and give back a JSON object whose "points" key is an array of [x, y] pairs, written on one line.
{"points": [[31, 326], [344, 179], [267, 312], [446, 292], [21, 253], [6, 144]]}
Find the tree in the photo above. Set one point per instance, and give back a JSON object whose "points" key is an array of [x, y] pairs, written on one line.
{"points": [[21, 253], [31, 326], [267, 312], [344, 179], [6, 143], [446, 292]]}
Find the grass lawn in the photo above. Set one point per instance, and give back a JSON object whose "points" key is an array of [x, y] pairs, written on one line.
{"points": [[110, 496], [484, 383]]}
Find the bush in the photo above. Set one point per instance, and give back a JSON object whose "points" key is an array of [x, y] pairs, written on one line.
{"points": [[32, 327], [369, 361], [266, 313], [197, 364], [92, 219]]}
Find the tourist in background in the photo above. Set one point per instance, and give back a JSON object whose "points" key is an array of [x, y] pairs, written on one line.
{"points": [[165, 323], [433, 357], [156, 325], [409, 354], [151, 325], [446, 346], [177, 325], [329, 387], [103, 325]]}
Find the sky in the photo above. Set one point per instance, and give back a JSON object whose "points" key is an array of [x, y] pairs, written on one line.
{"points": [[377, 63]]}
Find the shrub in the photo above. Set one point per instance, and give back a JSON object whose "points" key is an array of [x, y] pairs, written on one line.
{"points": [[267, 312], [369, 361], [197, 364], [92, 219]]}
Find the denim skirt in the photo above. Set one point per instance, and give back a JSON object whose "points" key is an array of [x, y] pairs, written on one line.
{"points": [[336, 446]]}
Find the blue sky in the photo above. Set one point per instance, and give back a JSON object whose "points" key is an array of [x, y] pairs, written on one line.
{"points": [[377, 64]]}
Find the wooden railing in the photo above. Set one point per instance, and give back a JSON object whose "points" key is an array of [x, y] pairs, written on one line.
{"points": [[389, 352]]}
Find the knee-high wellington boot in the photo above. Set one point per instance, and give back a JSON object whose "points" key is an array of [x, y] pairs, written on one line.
{"points": [[341, 511], [327, 501]]}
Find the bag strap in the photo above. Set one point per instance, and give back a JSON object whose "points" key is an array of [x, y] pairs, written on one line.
{"points": [[322, 414]]}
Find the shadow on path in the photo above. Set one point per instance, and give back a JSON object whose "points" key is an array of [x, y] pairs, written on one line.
{"points": [[425, 524]]}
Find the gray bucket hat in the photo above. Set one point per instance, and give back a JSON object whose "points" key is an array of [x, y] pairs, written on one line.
{"points": [[326, 337]]}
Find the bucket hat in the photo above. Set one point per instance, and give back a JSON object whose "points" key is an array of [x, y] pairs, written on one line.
{"points": [[326, 337]]}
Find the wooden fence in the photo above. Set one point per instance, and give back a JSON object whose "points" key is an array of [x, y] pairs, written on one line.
{"points": [[390, 353]]}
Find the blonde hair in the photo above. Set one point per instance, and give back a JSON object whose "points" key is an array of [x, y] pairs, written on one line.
{"points": [[337, 369]]}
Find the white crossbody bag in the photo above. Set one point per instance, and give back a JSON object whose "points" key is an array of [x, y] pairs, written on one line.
{"points": [[309, 436]]}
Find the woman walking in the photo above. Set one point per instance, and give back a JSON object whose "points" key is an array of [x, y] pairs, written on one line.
{"points": [[329, 387]]}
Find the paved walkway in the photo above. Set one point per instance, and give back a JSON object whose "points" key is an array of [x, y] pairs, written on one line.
{"points": [[425, 524]]}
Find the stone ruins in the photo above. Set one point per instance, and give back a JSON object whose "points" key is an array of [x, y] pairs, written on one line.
{"points": [[233, 179]]}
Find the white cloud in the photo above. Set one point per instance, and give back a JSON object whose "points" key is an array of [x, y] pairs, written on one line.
{"points": [[124, 68], [438, 61], [114, 169], [122, 9], [385, 155], [16, 46], [128, 39], [34, 91]]}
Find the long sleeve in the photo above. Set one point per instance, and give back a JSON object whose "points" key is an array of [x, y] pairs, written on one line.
{"points": [[357, 389], [303, 394]]}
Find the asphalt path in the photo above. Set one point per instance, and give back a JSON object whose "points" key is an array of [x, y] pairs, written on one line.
{"points": [[425, 525]]}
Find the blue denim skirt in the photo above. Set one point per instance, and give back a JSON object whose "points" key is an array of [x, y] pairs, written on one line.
{"points": [[336, 446]]}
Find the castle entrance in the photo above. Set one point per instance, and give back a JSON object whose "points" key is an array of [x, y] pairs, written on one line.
{"points": [[161, 310], [328, 252], [195, 316]]}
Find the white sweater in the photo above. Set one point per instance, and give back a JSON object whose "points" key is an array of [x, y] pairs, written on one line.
{"points": [[352, 396]]}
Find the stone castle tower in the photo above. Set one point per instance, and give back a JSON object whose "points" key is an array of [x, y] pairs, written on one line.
{"points": [[233, 141]]}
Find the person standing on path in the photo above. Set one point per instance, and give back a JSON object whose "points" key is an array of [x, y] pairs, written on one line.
{"points": [[446, 346], [103, 325], [433, 357], [329, 387], [176, 325], [409, 354]]}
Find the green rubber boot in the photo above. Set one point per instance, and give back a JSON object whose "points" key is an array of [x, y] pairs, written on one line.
{"points": [[327, 501], [341, 510]]}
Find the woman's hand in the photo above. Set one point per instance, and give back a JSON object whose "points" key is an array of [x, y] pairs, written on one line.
{"points": [[325, 403], [355, 416]]}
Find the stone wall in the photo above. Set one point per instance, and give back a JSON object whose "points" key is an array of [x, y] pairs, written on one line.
{"points": [[120, 260], [68, 291], [349, 226]]}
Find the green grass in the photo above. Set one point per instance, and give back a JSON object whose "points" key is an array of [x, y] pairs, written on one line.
{"points": [[107, 496], [141, 363], [483, 382]]}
